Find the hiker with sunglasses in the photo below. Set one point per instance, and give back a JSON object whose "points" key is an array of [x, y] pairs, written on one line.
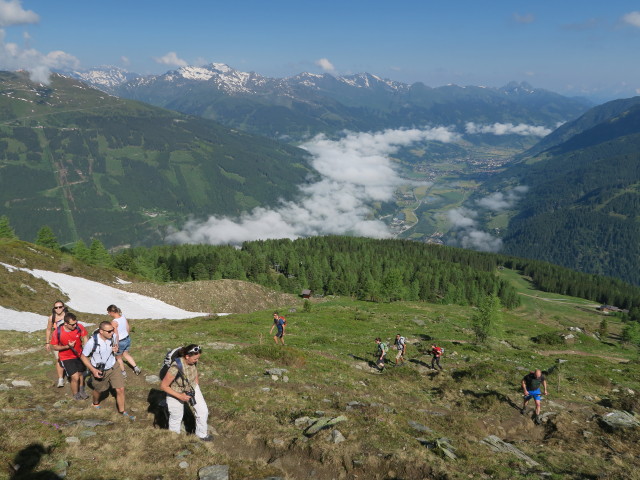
{"points": [[56, 319], [98, 355], [67, 339], [182, 387]]}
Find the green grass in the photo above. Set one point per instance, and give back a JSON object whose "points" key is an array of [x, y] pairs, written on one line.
{"points": [[327, 357]]}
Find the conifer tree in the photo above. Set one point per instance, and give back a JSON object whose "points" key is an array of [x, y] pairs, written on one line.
{"points": [[46, 238], [99, 255], [487, 319], [6, 231], [81, 252]]}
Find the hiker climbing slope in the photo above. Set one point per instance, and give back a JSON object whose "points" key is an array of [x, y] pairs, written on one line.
{"points": [[531, 387]]}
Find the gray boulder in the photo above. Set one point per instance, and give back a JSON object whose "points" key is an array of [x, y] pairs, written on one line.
{"points": [[214, 472], [323, 423], [618, 420], [498, 445]]}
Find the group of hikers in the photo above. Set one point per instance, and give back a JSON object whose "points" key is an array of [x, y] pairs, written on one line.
{"points": [[531, 383], [400, 344], [80, 355]]}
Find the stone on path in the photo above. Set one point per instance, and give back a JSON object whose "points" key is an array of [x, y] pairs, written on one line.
{"points": [[214, 472], [337, 437], [498, 445], [322, 423], [21, 383], [617, 420]]}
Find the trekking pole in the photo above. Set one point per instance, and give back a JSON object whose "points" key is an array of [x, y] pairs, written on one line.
{"points": [[560, 362]]}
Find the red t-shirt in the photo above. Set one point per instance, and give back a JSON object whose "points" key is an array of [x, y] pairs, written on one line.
{"points": [[65, 338]]}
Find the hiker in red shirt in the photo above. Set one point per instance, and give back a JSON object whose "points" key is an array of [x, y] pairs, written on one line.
{"points": [[436, 352], [68, 339]]}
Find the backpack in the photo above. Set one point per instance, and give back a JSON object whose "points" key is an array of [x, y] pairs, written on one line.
{"points": [[169, 358], [384, 348], [94, 335], [439, 350]]}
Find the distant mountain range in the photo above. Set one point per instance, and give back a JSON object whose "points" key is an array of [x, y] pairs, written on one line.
{"points": [[582, 209], [307, 104], [94, 165]]}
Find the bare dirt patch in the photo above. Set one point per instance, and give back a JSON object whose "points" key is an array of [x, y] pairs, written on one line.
{"points": [[215, 296]]}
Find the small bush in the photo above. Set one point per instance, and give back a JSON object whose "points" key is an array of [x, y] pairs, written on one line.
{"points": [[549, 338]]}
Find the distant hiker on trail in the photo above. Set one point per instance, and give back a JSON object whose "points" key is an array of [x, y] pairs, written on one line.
{"points": [[381, 353], [436, 352], [280, 323], [98, 355], [182, 387], [123, 340], [531, 388], [68, 339], [55, 319], [401, 347]]}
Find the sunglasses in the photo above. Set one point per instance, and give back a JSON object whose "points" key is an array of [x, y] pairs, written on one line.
{"points": [[195, 350], [107, 331], [58, 307]]}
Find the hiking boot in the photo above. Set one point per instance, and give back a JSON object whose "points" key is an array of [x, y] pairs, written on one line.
{"points": [[60, 382], [96, 406], [124, 373], [537, 420], [83, 395], [137, 370], [522, 410], [78, 396], [126, 415], [208, 438]]}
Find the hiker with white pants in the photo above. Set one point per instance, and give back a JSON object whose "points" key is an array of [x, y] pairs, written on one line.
{"points": [[182, 386]]}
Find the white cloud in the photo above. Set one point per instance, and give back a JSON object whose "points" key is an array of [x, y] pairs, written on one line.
{"points": [[463, 220], [500, 201], [16, 57], [526, 18], [632, 18], [508, 129], [12, 13], [354, 171], [325, 65], [171, 59], [125, 61], [39, 65]]}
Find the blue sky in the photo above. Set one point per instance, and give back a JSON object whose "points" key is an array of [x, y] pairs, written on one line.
{"points": [[574, 47]]}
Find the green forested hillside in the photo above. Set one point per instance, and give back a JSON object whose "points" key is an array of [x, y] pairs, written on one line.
{"points": [[368, 269], [91, 165], [581, 210]]}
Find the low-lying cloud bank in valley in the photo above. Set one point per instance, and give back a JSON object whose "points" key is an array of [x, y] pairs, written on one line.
{"points": [[354, 172], [463, 220], [507, 129]]}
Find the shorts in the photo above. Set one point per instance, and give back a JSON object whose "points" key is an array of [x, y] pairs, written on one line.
{"points": [[399, 355], [112, 378], [280, 333], [124, 345], [72, 366], [535, 394]]}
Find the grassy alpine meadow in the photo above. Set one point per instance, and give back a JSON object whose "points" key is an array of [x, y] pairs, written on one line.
{"points": [[328, 358]]}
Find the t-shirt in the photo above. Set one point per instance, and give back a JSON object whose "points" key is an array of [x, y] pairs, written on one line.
{"points": [[103, 353], [382, 348], [533, 383], [436, 352], [188, 371], [65, 338]]}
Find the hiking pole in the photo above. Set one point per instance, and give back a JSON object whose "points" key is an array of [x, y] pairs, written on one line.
{"points": [[560, 362]]}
